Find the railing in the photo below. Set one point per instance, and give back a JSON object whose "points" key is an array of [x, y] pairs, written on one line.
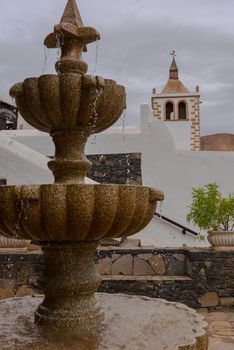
{"points": [[182, 227]]}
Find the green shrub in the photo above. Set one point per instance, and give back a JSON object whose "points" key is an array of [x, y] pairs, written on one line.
{"points": [[210, 211]]}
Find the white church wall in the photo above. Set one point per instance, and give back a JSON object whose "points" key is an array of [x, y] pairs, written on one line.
{"points": [[181, 132], [177, 172], [165, 167]]}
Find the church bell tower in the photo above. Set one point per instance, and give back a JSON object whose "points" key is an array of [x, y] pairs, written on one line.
{"points": [[179, 109]]}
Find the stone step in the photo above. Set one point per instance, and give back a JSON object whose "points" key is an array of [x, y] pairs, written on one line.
{"points": [[172, 288], [145, 278]]}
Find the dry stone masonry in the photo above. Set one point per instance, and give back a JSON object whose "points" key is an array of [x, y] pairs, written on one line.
{"points": [[195, 277], [116, 168]]}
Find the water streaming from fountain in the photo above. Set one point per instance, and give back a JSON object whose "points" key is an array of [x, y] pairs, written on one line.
{"points": [[46, 53], [96, 57], [123, 121]]}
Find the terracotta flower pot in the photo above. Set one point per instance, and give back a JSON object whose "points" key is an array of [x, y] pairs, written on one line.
{"points": [[221, 238]]}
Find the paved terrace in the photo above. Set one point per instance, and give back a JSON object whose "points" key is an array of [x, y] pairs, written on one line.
{"points": [[221, 328]]}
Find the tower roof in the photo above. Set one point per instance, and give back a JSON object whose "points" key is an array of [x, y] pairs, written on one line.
{"points": [[174, 85], [173, 72]]}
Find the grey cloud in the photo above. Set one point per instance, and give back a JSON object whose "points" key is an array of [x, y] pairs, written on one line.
{"points": [[137, 36]]}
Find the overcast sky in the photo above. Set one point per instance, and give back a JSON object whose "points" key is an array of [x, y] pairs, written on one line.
{"points": [[137, 37]]}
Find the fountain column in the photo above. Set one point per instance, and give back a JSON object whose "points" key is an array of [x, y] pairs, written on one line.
{"points": [[70, 164], [69, 282]]}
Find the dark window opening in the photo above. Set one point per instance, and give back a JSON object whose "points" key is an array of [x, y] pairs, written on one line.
{"points": [[182, 110], [169, 111]]}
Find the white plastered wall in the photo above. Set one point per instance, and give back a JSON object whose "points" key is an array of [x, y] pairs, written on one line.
{"points": [[171, 170]]}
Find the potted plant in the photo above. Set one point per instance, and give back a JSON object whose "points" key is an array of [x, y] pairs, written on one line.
{"points": [[214, 213]]}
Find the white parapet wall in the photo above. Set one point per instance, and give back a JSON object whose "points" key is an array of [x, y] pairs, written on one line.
{"points": [[164, 166], [20, 164]]}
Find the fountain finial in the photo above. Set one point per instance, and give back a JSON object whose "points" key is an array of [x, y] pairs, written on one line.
{"points": [[71, 14], [72, 37], [71, 26]]}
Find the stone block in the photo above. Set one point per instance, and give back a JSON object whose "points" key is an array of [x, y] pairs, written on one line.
{"points": [[227, 301], [130, 243], [157, 264], [6, 283], [174, 267], [123, 266], [189, 268], [209, 299], [115, 257], [145, 257], [104, 266], [24, 291], [33, 280], [6, 293], [142, 268], [179, 257], [208, 264], [202, 273], [217, 316], [34, 248], [109, 242], [22, 277], [219, 325]]}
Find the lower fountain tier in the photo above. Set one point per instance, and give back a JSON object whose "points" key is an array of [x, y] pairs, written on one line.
{"points": [[75, 212], [131, 323]]}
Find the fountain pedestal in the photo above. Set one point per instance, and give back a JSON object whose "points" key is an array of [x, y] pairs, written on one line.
{"points": [[69, 282]]}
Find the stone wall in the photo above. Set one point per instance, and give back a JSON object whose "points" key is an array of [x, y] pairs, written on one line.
{"points": [[197, 278], [116, 168], [8, 116]]}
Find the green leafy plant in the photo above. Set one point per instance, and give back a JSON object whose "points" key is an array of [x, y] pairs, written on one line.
{"points": [[210, 211]]}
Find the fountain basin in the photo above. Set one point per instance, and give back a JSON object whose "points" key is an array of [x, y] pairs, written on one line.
{"points": [[70, 101], [131, 323], [75, 212]]}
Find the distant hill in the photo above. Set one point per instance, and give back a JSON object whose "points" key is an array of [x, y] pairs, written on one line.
{"points": [[218, 142]]}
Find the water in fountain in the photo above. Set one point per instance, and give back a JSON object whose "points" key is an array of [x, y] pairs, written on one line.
{"points": [[131, 323]]}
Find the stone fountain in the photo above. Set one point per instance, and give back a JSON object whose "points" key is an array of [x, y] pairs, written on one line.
{"points": [[69, 217]]}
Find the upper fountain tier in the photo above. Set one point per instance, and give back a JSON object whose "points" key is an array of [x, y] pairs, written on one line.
{"points": [[70, 100]]}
